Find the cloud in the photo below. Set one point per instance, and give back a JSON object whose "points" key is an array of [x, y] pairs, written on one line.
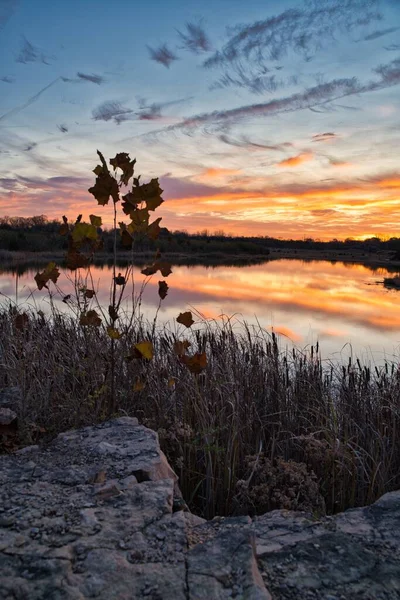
{"points": [[179, 188], [286, 332], [162, 55], [31, 53], [323, 212], [7, 9], [7, 79], [82, 77], [245, 142], [37, 183], [379, 33], [247, 56], [30, 146], [30, 101], [152, 112], [62, 128], [335, 162], [294, 161], [98, 79], [390, 73], [217, 173], [324, 137], [256, 85], [314, 96], [111, 111], [195, 38]]}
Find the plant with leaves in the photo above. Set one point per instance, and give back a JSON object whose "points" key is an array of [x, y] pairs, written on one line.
{"points": [[138, 201], [84, 240]]}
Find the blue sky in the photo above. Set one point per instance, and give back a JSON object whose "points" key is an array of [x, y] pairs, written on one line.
{"points": [[267, 118]]}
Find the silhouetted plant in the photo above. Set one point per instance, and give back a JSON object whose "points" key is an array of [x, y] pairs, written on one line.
{"points": [[84, 240]]}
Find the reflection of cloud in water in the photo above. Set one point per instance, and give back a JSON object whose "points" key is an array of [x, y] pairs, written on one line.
{"points": [[304, 301]]}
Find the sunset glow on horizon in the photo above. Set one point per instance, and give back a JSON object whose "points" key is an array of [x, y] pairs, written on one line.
{"points": [[275, 119]]}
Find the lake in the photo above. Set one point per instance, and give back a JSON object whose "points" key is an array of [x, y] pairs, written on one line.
{"points": [[343, 306]]}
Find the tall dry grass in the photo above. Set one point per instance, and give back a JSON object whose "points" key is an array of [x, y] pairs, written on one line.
{"points": [[260, 428]]}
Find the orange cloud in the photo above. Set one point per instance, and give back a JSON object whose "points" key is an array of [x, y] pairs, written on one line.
{"points": [[278, 207], [287, 332], [294, 161], [217, 173]]}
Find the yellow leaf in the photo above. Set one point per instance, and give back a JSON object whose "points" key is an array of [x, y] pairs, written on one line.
{"points": [[90, 318], [84, 231], [145, 349], [171, 382], [181, 347], [159, 265], [162, 289], [153, 230], [105, 187], [139, 385], [196, 363], [64, 229], [96, 221], [114, 334], [51, 273], [126, 239], [21, 321], [123, 162]]}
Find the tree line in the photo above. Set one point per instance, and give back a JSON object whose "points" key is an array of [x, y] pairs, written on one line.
{"points": [[39, 233]]}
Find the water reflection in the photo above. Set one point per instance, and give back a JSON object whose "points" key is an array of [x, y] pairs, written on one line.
{"points": [[339, 304]]}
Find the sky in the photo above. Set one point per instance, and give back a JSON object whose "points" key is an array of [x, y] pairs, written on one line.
{"points": [[271, 118]]}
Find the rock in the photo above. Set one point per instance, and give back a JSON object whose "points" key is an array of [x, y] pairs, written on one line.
{"points": [[7, 417], [11, 397], [226, 567], [93, 515], [355, 554], [73, 513], [8, 422]]}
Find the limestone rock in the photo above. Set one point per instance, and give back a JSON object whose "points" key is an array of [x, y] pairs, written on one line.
{"points": [[97, 514]]}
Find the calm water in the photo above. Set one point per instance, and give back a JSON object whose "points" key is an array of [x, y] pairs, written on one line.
{"points": [[340, 305]]}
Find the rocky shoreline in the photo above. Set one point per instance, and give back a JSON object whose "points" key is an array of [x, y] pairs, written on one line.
{"points": [[97, 513]]}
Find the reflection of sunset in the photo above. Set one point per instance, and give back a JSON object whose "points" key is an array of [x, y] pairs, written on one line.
{"points": [[297, 299]]}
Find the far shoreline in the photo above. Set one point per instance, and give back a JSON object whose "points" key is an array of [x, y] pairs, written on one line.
{"points": [[372, 260]]}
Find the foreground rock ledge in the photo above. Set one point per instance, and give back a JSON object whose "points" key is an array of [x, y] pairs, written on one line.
{"points": [[94, 515]]}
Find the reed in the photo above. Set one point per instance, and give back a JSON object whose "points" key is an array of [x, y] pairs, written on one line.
{"points": [[261, 427]]}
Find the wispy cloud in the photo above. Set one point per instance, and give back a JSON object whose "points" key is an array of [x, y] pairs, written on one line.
{"points": [[7, 9], [213, 173], [31, 53], [379, 33], [244, 142], [252, 49], [313, 97], [7, 79], [295, 161], [393, 47], [324, 137], [82, 77], [390, 72], [30, 101], [162, 55], [38, 183], [195, 39], [153, 111], [62, 128], [111, 111]]}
